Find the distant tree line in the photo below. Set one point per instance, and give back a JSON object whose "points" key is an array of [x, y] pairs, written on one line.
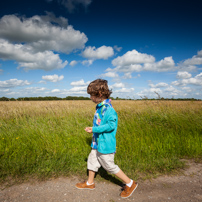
{"points": [[43, 98], [87, 98]]}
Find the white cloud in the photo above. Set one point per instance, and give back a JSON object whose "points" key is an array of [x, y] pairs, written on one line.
{"points": [[34, 89], [165, 64], [133, 61], [53, 78], [124, 90], [1, 71], [41, 34], [129, 68], [197, 80], [77, 91], [110, 74], [195, 60], [131, 58], [79, 83], [158, 85], [187, 89], [13, 83], [43, 82], [4, 90], [104, 52], [55, 91], [149, 92], [191, 63], [171, 91], [73, 63], [78, 88], [183, 75], [87, 62], [127, 75], [28, 59], [118, 85]]}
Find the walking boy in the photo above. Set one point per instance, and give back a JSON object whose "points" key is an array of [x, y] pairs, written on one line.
{"points": [[103, 144]]}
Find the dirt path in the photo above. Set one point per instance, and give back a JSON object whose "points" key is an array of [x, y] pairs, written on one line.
{"points": [[182, 188]]}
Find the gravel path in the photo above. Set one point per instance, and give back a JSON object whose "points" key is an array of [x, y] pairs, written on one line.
{"points": [[181, 188]]}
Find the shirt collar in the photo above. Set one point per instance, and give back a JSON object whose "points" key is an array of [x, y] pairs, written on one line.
{"points": [[105, 102]]}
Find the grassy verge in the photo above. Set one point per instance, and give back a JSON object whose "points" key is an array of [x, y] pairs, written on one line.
{"points": [[47, 139]]}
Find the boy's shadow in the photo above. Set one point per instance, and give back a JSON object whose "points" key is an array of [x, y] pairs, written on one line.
{"points": [[103, 173]]}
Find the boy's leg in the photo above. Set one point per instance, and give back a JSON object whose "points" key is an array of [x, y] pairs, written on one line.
{"points": [[89, 184], [91, 175], [107, 162], [130, 186], [93, 165], [121, 175]]}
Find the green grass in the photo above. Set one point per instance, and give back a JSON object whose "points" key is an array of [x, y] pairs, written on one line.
{"points": [[47, 139]]}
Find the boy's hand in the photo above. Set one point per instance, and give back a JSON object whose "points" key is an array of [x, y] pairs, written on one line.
{"points": [[89, 129]]}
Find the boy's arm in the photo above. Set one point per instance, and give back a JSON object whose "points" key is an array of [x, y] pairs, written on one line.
{"points": [[109, 126]]}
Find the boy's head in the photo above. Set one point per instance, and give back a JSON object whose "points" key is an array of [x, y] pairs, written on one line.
{"points": [[99, 88]]}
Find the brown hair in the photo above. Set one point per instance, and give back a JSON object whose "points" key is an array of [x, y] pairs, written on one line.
{"points": [[99, 86]]}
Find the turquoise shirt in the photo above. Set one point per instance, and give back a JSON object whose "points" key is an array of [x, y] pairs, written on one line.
{"points": [[99, 113], [106, 132]]}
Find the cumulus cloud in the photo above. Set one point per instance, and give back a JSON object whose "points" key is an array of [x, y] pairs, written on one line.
{"points": [[40, 33], [29, 59], [124, 90], [73, 63], [118, 85], [131, 58], [34, 89], [165, 64], [187, 89], [133, 61], [127, 75], [195, 60], [149, 92], [13, 83], [43, 82], [53, 78], [183, 75], [87, 62], [79, 83], [197, 80], [191, 63], [78, 89], [55, 91], [158, 85], [31, 41], [104, 52], [4, 90], [172, 89], [110, 74]]}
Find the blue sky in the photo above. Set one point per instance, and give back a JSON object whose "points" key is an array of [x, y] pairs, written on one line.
{"points": [[56, 47]]}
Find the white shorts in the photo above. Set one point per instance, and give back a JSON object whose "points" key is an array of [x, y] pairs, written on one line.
{"points": [[97, 159]]}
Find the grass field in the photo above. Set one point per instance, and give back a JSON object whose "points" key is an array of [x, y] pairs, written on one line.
{"points": [[47, 138]]}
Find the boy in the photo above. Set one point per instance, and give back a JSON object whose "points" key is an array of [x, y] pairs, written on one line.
{"points": [[104, 141]]}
